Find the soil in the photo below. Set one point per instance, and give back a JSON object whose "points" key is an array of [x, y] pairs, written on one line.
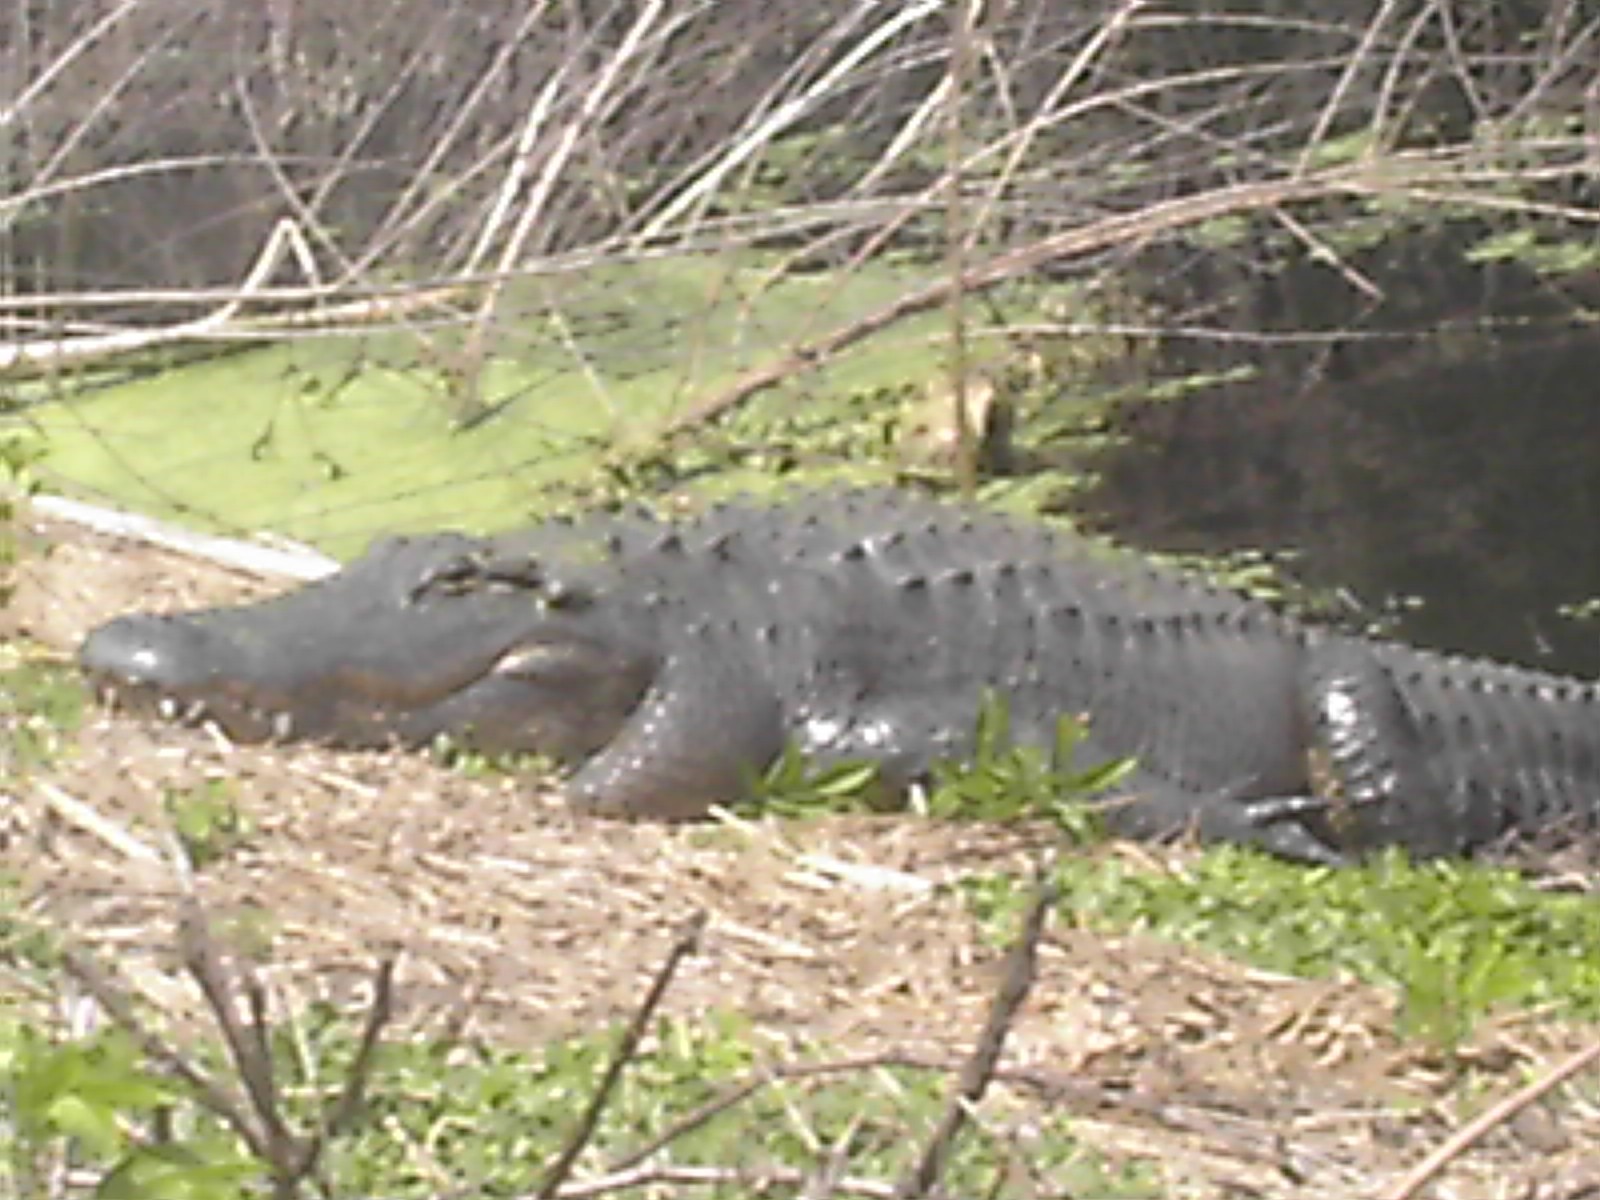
{"points": [[517, 921]]}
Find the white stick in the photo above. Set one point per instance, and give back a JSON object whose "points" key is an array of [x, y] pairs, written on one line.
{"points": [[287, 562]]}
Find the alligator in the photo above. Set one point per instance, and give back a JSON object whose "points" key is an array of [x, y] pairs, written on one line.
{"points": [[671, 661]]}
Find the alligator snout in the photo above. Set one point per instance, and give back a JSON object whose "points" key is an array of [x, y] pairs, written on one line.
{"points": [[145, 652], [175, 667]]}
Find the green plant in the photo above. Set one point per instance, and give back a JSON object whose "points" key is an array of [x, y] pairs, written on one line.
{"points": [[1456, 940], [1004, 782], [207, 820], [794, 785], [40, 700], [999, 781], [92, 1103], [477, 764]]}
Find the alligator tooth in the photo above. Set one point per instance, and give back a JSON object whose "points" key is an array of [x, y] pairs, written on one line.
{"points": [[168, 708], [194, 713], [283, 726]]}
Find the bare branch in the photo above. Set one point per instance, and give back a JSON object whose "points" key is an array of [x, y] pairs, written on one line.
{"points": [[1016, 981], [119, 1006], [687, 943]]}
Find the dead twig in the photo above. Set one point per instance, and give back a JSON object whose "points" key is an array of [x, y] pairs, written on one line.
{"points": [[84, 816], [1495, 1115], [687, 943], [225, 323], [338, 1115], [111, 996], [248, 1046], [1016, 981], [825, 1180], [751, 1181], [290, 1157]]}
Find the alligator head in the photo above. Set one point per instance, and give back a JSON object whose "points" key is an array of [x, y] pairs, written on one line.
{"points": [[406, 644]]}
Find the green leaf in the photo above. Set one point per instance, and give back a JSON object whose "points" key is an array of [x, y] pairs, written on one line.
{"points": [[93, 1124]]}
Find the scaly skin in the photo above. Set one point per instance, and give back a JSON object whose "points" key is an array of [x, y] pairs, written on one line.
{"points": [[673, 662]]}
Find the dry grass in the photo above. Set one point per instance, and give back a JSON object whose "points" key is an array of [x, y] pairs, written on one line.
{"points": [[518, 922]]}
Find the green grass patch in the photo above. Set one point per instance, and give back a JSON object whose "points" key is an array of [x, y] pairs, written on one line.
{"points": [[492, 1119], [207, 820], [1456, 940], [41, 700], [474, 1120]]}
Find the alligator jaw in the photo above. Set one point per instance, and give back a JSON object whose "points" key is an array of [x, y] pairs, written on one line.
{"points": [[169, 667], [500, 695]]}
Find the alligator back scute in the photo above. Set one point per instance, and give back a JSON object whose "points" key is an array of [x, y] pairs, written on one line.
{"points": [[1210, 703]]}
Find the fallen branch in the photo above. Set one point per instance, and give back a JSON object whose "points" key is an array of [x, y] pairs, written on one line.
{"points": [[1490, 1118], [1400, 175], [297, 562]]}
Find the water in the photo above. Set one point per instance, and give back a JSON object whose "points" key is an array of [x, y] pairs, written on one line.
{"points": [[1471, 486]]}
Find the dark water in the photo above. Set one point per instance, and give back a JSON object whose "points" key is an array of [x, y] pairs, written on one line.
{"points": [[1473, 487]]}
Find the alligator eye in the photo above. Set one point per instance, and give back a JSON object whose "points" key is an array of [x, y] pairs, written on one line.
{"points": [[558, 596], [451, 576]]}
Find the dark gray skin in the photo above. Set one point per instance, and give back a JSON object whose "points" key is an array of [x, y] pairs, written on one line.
{"points": [[674, 662]]}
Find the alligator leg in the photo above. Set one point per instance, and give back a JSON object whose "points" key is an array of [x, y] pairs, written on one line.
{"points": [[1379, 772], [1387, 774], [1146, 807], [707, 728], [1384, 770]]}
